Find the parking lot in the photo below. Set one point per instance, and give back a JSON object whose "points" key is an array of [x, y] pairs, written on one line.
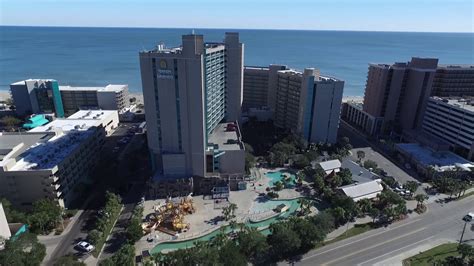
{"points": [[392, 170]]}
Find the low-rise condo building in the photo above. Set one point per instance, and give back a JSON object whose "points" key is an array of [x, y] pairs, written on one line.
{"points": [[453, 80], [452, 120], [110, 97], [106, 119], [37, 96], [37, 165]]}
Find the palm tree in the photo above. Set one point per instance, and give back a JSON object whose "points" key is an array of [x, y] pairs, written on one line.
{"points": [[360, 155], [465, 250], [389, 213], [365, 205], [305, 206], [300, 177], [374, 213], [420, 198]]}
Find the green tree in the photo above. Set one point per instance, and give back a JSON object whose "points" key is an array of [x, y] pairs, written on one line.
{"points": [[300, 161], [324, 221], [305, 206], [278, 186], [389, 213], [25, 250], [308, 233], [466, 251], [10, 121], [336, 181], [13, 216], [365, 205], [346, 176], [229, 254], [412, 186], [280, 153], [252, 244], [340, 215], [300, 177], [420, 198], [318, 183], [370, 164], [284, 241], [124, 256], [229, 211], [374, 213], [94, 236], [46, 215]]}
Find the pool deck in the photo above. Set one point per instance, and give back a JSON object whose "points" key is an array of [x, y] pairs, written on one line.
{"points": [[251, 207]]}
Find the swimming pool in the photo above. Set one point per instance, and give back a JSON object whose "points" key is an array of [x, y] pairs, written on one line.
{"points": [[262, 225], [278, 176]]}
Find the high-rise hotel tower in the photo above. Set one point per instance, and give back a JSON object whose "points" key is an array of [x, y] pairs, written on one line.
{"points": [[188, 91]]}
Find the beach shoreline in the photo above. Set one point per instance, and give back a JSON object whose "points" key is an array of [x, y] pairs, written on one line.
{"points": [[4, 95]]}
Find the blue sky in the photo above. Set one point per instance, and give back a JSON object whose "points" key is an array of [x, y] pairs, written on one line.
{"points": [[378, 15]]}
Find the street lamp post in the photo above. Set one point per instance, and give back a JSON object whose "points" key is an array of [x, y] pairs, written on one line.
{"points": [[464, 229]]}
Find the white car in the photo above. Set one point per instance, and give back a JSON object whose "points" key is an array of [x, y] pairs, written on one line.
{"points": [[469, 217], [85, 247]]}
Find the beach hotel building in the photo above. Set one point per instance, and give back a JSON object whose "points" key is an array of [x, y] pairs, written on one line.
{"points": [[306, 103], [110, 97], [396, 95], [36, 96], [193, 100]]}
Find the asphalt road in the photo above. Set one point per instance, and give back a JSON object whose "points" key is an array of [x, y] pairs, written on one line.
{"points": [[376, 246], [84, 223]]}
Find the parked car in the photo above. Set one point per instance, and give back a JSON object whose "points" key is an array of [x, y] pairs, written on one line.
{"points": [[85, 246], [468, 217]]}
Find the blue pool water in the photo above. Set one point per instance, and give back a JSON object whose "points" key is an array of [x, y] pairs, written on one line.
{"points": [[278, 176]]}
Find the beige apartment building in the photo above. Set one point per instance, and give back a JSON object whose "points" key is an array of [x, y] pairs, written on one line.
{"points": [[110, 97], [453, 80], [306, 103], [399, 92], [37, 165]]}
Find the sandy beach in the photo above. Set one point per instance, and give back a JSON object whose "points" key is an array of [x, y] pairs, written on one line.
{"points": [[139, 96]]}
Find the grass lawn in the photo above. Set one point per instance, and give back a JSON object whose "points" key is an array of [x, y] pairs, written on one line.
{"points": [[430, 256], [356, 230]]}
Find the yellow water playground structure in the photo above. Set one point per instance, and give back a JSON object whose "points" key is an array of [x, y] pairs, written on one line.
{"points": [[168, 217]]}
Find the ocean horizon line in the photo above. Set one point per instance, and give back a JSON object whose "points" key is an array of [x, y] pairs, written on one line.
{"points": [[234, 29]]}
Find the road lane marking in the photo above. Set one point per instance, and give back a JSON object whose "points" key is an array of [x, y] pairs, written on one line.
{"points": [[412, 244], [379, 244], [364, 238]]}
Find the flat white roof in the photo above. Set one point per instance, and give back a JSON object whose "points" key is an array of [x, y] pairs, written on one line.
{"points": [[47, 155], [461, 103], [360, 191], [330, 165], [67, 125], [21, 82], [92, 114], [110, 87]]}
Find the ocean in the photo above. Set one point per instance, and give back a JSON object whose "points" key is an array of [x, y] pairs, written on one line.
{"points": [[100, 56]]}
